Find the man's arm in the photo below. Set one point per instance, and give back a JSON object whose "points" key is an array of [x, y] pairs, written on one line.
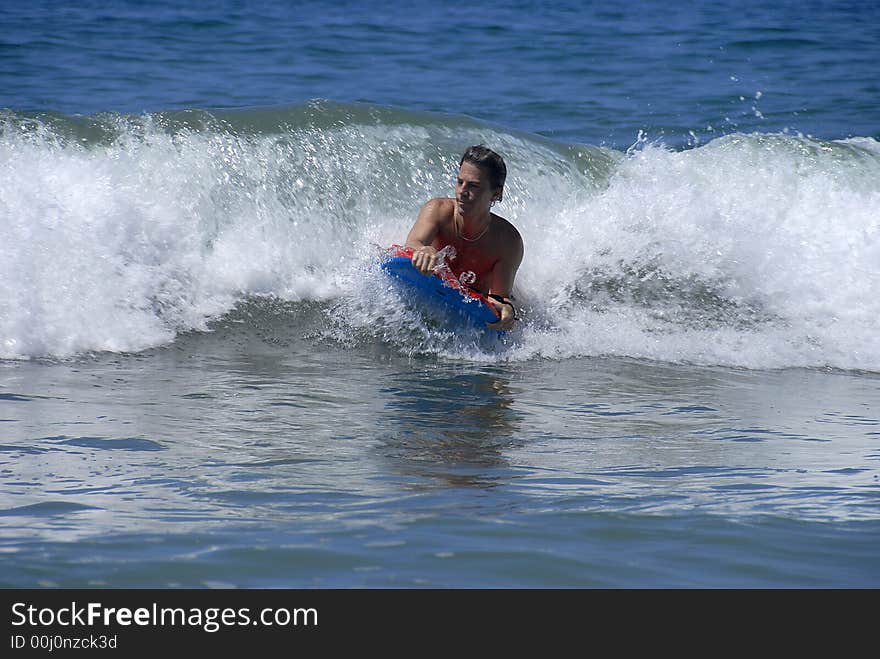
{"points": [[503, 276], [423, 232]]}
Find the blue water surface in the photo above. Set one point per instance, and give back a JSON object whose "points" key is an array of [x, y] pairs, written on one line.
{"points": [[594, 72]]}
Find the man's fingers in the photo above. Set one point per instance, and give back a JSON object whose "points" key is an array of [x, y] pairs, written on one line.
{"points": [[424, 262], [505, 318], [501, 325]]}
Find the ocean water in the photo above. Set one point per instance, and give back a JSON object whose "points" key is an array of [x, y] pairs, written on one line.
{"points": [[205, 380]]}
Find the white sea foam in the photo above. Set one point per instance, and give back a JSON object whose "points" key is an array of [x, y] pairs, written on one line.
{"points": [[758, 251]]}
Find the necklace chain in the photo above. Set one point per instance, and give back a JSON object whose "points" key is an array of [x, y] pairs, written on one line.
{"points": [[473, 240]]}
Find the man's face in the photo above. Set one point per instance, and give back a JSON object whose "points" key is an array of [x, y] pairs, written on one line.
{"points": [[473, 191]]}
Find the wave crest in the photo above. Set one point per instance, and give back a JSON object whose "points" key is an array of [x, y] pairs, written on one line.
{"points": [[124, 231]]}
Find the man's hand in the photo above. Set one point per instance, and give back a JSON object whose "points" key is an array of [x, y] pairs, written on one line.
{"points": [[507, 313], [424, 259]]}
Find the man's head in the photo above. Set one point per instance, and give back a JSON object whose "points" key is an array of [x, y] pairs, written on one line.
{"points": [[490, 162]]}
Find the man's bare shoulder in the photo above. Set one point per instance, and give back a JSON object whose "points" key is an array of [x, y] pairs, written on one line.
{"points": [[507, 230], [439, 206]]}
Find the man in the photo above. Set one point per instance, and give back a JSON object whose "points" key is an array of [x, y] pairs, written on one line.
{"points": [[488, 248]]}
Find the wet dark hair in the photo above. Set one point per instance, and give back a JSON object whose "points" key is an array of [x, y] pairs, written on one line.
{"points": [[486, 159]]}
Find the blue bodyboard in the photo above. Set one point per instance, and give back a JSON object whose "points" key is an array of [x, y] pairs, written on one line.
{"points": [[445, 291]]}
